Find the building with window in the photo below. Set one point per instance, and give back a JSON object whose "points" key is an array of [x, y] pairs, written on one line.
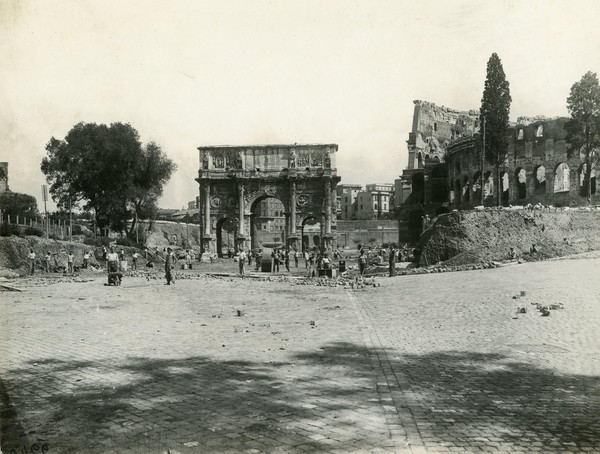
{"points": [[269, 221], [375, 202], [346, 200]]}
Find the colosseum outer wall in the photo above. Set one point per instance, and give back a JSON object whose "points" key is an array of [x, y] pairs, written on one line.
{"points": [[535, 168]]}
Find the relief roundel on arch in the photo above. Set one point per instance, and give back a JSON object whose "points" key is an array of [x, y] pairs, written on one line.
{"points": [[302, 200], [216, 201]]}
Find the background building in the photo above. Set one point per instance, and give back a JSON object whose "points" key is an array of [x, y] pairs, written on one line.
{"points": [[346, 200], [269, 222], [375, 202]]}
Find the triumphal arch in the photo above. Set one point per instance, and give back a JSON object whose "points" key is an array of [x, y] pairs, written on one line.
{"points": [[233, 180]]}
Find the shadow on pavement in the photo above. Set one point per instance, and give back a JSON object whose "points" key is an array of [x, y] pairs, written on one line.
{"points": [[467, 398], [319, 400]]}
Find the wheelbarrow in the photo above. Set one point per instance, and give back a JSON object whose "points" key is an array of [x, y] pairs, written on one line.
{"points": [[114, 275]]}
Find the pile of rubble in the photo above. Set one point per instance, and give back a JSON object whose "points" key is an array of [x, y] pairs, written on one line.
{"points": [[354, 283], [448, 269], [544, 310]]}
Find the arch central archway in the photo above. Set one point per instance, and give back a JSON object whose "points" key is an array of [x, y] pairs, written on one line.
{"points": [[234, 180], [225, 236], [268, 223], [312, 233]]}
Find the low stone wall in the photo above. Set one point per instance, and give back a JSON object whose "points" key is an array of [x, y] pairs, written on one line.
{"points": [[350, 233], [488, 235]]}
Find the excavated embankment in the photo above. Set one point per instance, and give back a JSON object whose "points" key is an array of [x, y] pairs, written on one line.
{"points": [[481, 236]]}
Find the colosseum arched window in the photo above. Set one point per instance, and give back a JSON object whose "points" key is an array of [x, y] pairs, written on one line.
{"points": [[540, 179], [562, 178], [521, 175], [476, 186], [583, 187], [488, 185], [504, 183], [539, 131], [418, 187], [457, 191]]}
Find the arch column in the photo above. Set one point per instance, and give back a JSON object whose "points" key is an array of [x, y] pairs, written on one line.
{"points": [[206, 238], [241, 236], [327, 236], [292, 239]]}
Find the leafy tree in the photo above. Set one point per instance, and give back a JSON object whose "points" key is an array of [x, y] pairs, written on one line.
{"points": [[154, 171], [17, 204], [495, 109], [106, 169], [583, 128]]}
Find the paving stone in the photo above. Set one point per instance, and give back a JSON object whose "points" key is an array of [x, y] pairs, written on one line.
{"points": [[423, 363]]}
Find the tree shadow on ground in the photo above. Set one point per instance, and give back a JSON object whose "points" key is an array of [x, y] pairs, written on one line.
{"points": [[318, 400], [148, 405], [468, 398]]}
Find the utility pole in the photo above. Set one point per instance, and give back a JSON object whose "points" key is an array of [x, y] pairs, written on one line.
{"points": [[137, 240], [45, 198], [482, 161], [70, 220]]}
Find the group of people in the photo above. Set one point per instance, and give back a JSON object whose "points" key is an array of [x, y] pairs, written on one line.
{"points": [[392, 254], [50, 257], [281, 256]]}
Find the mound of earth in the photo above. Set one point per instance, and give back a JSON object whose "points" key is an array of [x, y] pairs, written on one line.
{"points": [[463, 237], [14, 252], [163, 233]]}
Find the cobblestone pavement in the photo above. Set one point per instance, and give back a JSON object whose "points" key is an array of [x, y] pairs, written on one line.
{"points": [[425, 363]]}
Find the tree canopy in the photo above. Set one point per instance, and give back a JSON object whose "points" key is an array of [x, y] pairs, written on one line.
{"points": [[583, 128], [107, 169], [17, 204], [495, 110]]}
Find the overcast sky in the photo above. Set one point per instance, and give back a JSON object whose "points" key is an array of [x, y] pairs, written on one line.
{"points": [[195, 73]]}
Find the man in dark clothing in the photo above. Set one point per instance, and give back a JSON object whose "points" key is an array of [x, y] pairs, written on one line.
{"points": [[392, 261], [258, 259], [362, 262], [169, 265]]}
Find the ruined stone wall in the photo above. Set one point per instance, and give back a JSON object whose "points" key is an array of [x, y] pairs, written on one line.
{"points": [[536, 151], [433, 127], [350, 233]]}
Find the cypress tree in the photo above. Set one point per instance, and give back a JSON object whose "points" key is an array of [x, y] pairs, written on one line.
{"points": [[495, 108]]}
